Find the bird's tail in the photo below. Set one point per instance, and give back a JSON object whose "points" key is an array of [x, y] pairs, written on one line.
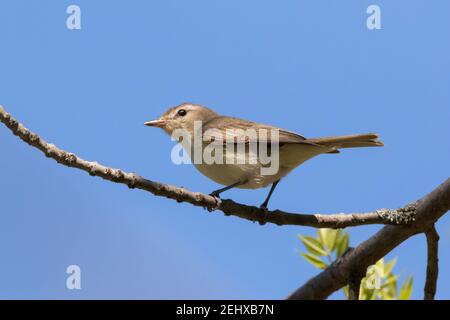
{"points": [[353, 141]]}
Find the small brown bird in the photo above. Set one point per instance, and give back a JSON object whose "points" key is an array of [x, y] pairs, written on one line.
{"points": [[243, 168]]}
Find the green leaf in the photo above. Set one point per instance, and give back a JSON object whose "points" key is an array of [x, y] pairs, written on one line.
{"points": [[380, 266], [328, 238], [342, 246], [314, 260], [406, 290], [335, 237], [345, 290], [390, 285], [390, 280], [362, 295], [389, 266], [386, 295], [339, 238], [313, 246], [365, 293], [373, 295], [378, 269]]}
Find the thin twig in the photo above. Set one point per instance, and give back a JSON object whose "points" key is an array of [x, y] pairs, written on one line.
{"points": [[229, 207], [432, 264]]}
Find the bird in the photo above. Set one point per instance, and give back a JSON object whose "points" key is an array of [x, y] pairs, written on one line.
{"points": [[293, 149]]}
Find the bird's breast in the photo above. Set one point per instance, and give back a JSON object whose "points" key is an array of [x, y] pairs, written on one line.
{"points": [[227, 168]]}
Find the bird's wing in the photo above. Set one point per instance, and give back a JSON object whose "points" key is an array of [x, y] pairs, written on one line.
{"points": [[226, 129]]}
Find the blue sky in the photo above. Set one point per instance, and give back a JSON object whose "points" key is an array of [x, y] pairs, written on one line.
{"points": [[309, 66]]}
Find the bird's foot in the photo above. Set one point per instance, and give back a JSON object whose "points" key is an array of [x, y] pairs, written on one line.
{"points": [[263, 218], [263, 206], [216, 196]]}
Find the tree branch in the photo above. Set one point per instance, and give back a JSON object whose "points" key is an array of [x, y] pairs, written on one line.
{"points": [[227, 206], [354, 284], [353, 288], [428, 210], [432, 264]]}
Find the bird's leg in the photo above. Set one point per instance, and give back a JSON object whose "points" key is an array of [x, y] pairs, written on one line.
{"points": [[263, 206], [266, 202], [217, 193]]}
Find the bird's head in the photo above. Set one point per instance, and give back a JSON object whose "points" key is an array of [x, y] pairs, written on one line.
{"points": [[182, 117]]}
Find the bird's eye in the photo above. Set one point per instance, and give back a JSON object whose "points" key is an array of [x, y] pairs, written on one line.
{"points": [[182, 112]]}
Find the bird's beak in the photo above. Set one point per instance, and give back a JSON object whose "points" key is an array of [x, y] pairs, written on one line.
{"points": [[156, 123]]}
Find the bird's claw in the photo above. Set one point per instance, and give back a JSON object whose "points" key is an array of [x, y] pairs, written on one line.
{"points": [[215, 194], [263, 218], [218, 201]]}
